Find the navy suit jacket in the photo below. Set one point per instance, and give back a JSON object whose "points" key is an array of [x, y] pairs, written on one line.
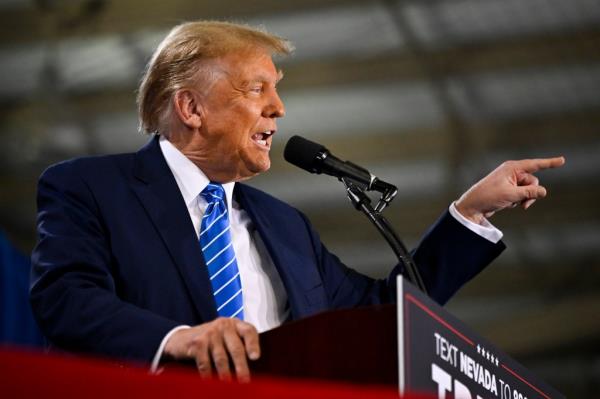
{"points": [[117, 264]]}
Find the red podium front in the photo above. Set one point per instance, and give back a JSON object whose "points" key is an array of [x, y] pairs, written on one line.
{"points": [[354, 345], [36, 375]]}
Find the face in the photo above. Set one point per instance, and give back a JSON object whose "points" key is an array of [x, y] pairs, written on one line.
{"points": [[238, 118]]}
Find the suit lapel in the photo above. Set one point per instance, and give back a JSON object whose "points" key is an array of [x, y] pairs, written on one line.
{"points": [[296, 276], [159, 194]]}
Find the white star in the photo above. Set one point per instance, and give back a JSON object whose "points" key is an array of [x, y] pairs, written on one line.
{"points": [[496, 361], [492, 359], [478, 349], [488, 356]]}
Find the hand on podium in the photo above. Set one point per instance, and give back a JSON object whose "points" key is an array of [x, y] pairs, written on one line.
{"points": [[211, 345]]}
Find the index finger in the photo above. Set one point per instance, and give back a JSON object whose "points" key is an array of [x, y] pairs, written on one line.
{"points": [[533, 165], [237, 353], [250, 337]]}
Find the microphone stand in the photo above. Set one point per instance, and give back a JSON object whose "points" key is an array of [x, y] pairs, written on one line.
{"points": [[362, 202]]}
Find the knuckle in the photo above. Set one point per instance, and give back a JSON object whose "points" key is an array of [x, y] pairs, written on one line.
{"points": [[210, 335], [237, 352], [216, 323], [201, 364], [252, 328], [200, 340], [231, 322], [220, 360], [247, 328], [223, 323]]}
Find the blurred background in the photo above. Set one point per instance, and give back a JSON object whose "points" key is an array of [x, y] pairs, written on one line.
{"points": [[430, 95]]}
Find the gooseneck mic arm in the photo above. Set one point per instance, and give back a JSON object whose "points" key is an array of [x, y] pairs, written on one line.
{"points": [[315, 158], [363, 203]]}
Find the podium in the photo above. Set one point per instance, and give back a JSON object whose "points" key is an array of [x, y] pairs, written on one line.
{"points": [[415, 345], [353, 345]]}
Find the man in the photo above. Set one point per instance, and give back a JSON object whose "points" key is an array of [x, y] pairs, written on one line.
{"points": [[162, 253]]}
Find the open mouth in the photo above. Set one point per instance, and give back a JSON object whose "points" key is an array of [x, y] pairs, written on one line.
{"points": [[262, 138]]}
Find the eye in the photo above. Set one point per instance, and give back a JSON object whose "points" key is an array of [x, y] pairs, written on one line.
{"points": [[257, 89]]}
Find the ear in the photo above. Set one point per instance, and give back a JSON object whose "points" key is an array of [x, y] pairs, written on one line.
{"points": [[188, 108]]}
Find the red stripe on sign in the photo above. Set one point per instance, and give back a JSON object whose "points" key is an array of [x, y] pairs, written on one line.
{"points": [[525, 381], [439, 319]]}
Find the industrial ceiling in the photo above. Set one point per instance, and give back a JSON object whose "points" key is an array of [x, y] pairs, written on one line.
{"points": [[429, 95]]}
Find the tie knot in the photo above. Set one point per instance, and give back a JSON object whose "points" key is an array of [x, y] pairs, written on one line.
{"points": [[213, 191]]}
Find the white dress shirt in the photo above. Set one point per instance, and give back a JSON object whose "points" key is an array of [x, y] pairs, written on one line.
{"points": [[264, 296], [485, 230]]}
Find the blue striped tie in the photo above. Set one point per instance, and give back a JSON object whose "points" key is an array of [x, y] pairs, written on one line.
{"points": [[215, 241]]}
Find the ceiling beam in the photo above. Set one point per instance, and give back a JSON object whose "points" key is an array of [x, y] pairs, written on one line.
{"points": [[537, 52], [506, 54], [68, 19]]}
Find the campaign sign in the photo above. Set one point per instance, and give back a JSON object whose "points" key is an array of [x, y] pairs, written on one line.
{"points": [[439, 354]]}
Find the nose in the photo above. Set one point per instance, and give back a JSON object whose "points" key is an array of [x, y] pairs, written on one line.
{"points": [[275, 107]]}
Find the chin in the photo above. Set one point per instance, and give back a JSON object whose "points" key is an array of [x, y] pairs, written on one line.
{"points": [[255, 169], [256, 163], [260, 169]]}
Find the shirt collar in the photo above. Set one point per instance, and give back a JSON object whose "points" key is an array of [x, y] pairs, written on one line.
{"points": [[190, 179]]}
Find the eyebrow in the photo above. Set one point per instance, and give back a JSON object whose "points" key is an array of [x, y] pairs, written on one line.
{"points": [[263, 78]]}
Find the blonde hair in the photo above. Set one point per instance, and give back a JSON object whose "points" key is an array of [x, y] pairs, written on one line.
{"points": [[179, 58]]}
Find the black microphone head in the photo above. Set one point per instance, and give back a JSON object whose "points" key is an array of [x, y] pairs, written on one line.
{"points": [[304, 153]]}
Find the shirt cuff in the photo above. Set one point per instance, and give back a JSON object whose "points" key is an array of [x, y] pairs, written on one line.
{"points": [[485, 229], [156, 360]]}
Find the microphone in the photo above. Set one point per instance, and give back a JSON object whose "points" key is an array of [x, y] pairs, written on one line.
{"points": [[315, 158]]}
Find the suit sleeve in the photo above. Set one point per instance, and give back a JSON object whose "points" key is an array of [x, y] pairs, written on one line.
{"points": [[73, 294], [448, 256]]}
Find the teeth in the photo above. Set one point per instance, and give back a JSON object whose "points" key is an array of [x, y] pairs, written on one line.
{"points": [[261, 138]]}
